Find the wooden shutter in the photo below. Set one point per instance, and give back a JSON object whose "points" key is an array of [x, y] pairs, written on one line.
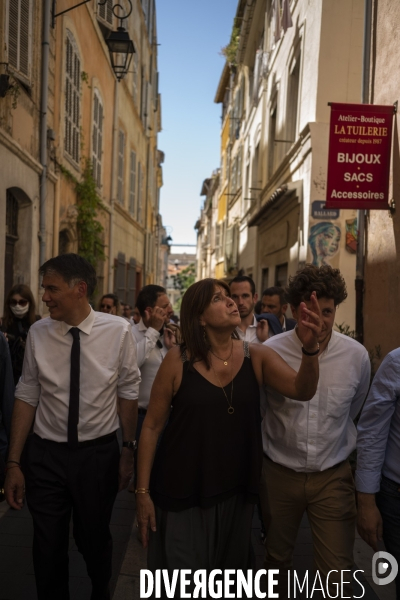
{"points": [[132, 183], [121, 277], [105, 12], [72, 99], [19, 35], [139, 193], [97, 137], [121, 151], [132, 282]]}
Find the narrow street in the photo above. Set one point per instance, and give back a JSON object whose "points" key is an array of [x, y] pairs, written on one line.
{"points": [[16, 568]]}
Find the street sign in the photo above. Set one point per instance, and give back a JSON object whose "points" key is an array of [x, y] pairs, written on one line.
{"points": [[359, 156], [319, 211]]}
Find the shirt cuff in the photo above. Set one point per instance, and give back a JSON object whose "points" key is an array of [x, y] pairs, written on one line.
{"points": [[368, 482], [152, 334], [28, 393]]}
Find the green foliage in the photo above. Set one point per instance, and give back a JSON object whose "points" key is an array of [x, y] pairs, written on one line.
{"points": [[230, 50], [90, 230], [345, 329], [182, 281]]}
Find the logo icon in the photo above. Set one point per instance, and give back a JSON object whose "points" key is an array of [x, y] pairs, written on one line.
{"points": [[384, 568]]}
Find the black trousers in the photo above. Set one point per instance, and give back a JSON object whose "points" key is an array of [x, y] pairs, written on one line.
{"points": [[60, 482]]}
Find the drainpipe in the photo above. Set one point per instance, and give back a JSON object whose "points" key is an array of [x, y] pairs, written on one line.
{"points": [[112, 190], [361, 214], [43, 128]]}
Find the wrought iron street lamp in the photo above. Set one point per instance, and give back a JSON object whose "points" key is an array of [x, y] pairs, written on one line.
{"points": [[119, 44]]}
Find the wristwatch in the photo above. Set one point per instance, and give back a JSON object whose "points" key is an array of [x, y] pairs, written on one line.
{"points": [[132, 445]]}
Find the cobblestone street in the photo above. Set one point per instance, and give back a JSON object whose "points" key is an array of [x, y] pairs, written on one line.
{"points": [[16, 568]]}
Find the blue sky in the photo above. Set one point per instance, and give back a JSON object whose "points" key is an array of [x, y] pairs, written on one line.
{"points": [[191, 34]]}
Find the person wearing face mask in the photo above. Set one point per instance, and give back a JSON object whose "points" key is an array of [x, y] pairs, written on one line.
{"points": [[19, 315]]}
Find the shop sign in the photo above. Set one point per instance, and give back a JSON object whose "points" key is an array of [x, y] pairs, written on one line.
{"points": [[359, 156], [319, 211]]}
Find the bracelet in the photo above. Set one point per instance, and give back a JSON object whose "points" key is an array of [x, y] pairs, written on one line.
{"points": [[13, 461], [142, 491], [304, 351], [8, 468]]}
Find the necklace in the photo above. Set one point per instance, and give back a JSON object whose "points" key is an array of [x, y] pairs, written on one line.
{"points": [[231, 410], [224, 360]]}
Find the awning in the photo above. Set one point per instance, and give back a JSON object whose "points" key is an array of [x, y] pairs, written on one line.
{"points": [[282, 194]]}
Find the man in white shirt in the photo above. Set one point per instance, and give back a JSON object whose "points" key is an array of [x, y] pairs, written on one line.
{"points": [[307, 444], [243, 292], [79, 384], [153, 341]]}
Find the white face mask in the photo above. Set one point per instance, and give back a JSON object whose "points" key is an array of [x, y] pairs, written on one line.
{"points": [[20, 311]]}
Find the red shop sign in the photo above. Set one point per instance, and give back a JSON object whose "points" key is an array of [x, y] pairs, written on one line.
{"points": [[360, 142]]}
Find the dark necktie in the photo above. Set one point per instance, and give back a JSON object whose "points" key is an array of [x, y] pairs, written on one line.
{"points": [[73, 412]]}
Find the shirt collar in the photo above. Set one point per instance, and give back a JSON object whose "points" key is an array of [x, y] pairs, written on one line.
{"points": [[329, 346], [254, 324], [141, 326], [85, 326]]}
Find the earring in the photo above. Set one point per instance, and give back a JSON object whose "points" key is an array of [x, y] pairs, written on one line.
{"points": [[205, 335]]}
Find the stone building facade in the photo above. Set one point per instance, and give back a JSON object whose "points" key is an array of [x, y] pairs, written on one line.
{"points": [[288, 65], [83, 116]]}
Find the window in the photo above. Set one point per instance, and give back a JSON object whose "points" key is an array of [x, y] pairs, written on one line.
{"points": [[104, 11], [264, 279], [140, 193], [135, 78], [132, 183], [97, 137], [293, 100], [121, 166], [218, 241], [72, 99], [271, 140], [281, 275], [19, 36]]}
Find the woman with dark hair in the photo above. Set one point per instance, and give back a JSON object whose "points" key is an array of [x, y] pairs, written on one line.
{"points": [[19, 315], [198, 496]]}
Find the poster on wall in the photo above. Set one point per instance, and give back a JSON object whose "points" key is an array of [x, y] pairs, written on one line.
{"points": [[360, 142]]}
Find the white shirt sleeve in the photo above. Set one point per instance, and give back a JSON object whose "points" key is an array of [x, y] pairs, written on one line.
{"points": [[129, 374], [362, 388], [145, 345], [28, 387]]}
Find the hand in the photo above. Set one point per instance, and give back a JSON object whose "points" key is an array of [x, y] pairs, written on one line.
{"points": [[169, 338], [146, 516], [262, 330], [310, 324], [125, 468], [14, 488], [155, 317], [369, 522]]}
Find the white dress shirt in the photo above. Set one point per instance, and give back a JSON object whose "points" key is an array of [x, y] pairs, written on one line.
{"points": [[315, 435], [150, 357], [250, 335], [108, 368]]}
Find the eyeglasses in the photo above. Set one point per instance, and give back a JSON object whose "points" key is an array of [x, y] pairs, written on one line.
{"points": [[20, 302], [106, 306]]}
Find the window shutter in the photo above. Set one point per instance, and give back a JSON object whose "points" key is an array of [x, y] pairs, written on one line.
{"points": [[140, 190], [132, 282], [97, 137], [135, 78], [105, 12], [19, 35], [72, 99], [132, 184], [121, 276], [121, 151]]}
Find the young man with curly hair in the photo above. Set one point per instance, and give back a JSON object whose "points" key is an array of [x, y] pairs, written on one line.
{"points": [[307, 445]]}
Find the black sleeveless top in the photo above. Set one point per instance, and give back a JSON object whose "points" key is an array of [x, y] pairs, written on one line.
{"points": [[207, 455]]}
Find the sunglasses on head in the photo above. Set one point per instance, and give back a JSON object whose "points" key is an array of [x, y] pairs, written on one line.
{"points": [[20, 302]]}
